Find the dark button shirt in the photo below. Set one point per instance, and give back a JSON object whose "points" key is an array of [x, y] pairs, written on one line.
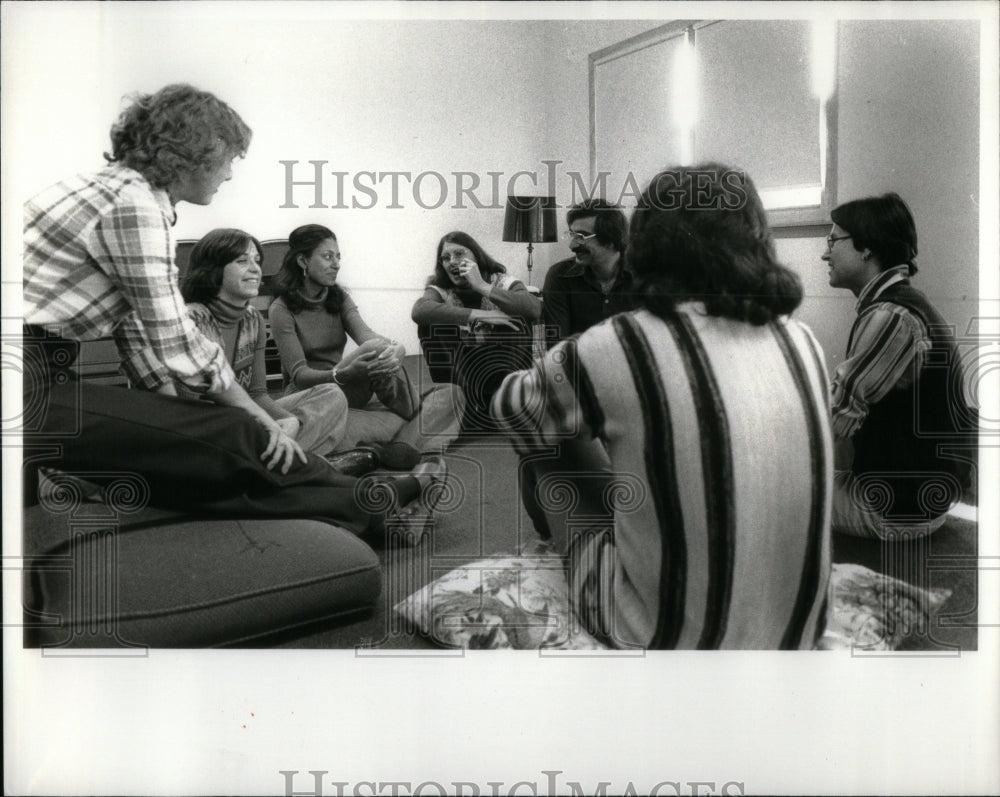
{"points": [[573, 300]]}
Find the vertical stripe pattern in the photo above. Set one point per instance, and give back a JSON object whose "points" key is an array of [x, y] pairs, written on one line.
{"points": [[724, 427], [811, 579], [717, 471], [663, 480]]}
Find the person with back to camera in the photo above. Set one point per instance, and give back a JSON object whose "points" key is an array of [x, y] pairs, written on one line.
{"points": [[98, 248], [898, 396], [311, 320], [712, 528], [474, 321]]}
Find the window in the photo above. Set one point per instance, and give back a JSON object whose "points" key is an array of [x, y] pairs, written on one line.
{"points": [[758, 94]]}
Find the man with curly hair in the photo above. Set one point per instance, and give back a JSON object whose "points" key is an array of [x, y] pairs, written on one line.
{"points": [[98, 248]]}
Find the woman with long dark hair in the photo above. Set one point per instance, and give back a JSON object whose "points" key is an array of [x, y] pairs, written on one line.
{"points": [[711, 527], [311, 321], [223, 276], [474, 320]]}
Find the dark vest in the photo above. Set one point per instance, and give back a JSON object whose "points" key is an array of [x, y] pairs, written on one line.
{"points": [[900, 451]]}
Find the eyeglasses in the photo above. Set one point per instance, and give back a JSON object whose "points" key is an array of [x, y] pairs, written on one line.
{"points": [[832, 239], [577, 237]]}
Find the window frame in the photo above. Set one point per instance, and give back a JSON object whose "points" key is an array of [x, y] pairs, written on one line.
{"points": [[789, 217]]}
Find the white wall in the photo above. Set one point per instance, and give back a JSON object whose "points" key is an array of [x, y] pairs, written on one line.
{"points": [[476, 96], [908, 122], [393, 95]]}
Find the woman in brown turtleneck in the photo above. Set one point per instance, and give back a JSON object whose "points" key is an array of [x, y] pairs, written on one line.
{"points": [[311, 320]]}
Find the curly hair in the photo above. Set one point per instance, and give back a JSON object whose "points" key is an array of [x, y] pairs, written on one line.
{"points": [[209, 259], [302, 242], [175, 130], [700, 233], [883, 224]]}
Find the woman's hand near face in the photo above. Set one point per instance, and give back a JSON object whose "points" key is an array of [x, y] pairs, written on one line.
{"points": [[470, 271]]}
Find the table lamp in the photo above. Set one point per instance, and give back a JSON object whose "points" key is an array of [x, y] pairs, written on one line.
{"points": [[531, 220]]}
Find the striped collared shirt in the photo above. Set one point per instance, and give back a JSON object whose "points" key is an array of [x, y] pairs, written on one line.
{"points": [[97, 248], [886, 342]]}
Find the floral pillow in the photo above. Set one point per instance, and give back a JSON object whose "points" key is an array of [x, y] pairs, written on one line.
{"points": [[522, 602], [874, 611], [517, 602]]}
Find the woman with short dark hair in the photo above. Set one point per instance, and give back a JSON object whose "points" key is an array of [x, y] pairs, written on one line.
{"points": [[882, 224], [901, 424], [224, 275], [711, 527]]}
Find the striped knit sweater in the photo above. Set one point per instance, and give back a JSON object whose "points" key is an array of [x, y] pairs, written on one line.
{"points": [[718, 433]]}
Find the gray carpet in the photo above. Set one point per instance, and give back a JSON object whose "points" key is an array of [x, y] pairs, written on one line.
{"points": [[481, 516], [946, 559], [472, 522]]}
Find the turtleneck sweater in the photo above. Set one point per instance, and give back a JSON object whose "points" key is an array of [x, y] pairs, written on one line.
{"points": [[311, 342], [240, 331], [228, 317]]}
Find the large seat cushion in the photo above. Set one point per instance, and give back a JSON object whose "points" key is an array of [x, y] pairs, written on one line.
{"points": [[163, 580]]}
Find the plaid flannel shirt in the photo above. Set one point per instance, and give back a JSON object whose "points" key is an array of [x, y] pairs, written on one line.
{"points": [[98, 248]]}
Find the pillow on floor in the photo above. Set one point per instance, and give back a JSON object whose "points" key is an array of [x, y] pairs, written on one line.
{"points": [[874, 611], [517, 602], [522, 602]]}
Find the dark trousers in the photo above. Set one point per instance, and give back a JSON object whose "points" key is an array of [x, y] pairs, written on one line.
{"points": [[187, 455], [476, 362]]}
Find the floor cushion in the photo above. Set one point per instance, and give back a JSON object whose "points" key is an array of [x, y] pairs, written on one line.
{"points": [[97, 578]]}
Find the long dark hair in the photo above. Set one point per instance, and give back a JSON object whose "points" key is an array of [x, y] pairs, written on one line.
{"points": [[209, 259], [303, 241], [700, 233], [883, 224], [487, 265]]}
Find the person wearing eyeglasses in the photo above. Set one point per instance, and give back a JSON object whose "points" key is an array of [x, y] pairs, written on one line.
{"points": [[311, 320], [594, 284], [897, 398], [710, 529], [474, 322]]}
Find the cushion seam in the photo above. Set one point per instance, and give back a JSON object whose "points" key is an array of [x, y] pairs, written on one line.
{"points": [[192, 607]]}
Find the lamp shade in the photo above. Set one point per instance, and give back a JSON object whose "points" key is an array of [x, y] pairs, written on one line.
{"points": [[530, 219]]}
